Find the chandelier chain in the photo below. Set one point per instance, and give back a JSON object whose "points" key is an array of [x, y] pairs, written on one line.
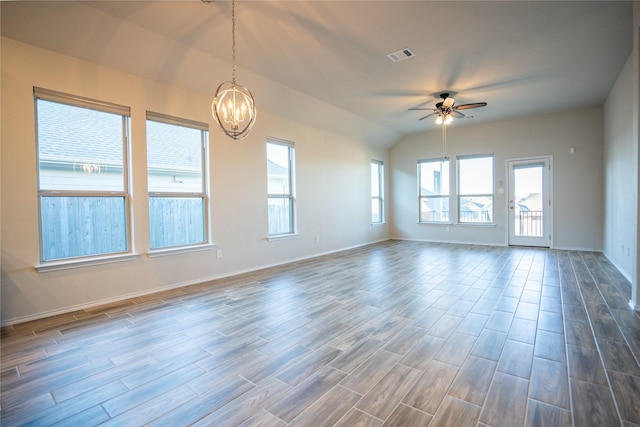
{"points": [[233, 40]]}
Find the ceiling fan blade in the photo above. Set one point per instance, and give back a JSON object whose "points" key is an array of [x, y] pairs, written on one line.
{"points": [[457, 114], [428, 115], [473, 105], [418, 108]]}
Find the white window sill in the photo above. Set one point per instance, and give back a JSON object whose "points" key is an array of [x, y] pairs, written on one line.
{"points": [[282, 236], [459, 224], [85, 262], [179, 250], [378, 224]]}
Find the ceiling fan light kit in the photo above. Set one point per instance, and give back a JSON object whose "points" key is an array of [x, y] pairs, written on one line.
{"points": [[444, 120]]}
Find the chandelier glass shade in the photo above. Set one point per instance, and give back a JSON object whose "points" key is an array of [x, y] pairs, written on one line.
{"points": [[233, 106]]}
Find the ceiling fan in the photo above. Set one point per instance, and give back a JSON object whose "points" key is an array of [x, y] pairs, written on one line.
{"points": [[446, 109]]}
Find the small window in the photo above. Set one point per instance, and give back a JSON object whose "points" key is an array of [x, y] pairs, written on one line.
{"points": [[475, 189], [280, 187], [83, 179], [433, 191], [377, 192], [176, 173]]}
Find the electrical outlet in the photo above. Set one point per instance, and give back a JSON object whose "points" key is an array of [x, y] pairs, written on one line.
{"points": [[219, 253]]}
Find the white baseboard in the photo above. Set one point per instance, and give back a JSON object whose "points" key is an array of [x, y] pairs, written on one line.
{"points": [[200, 280], [448, 242], [567, 248], [626, 276]]}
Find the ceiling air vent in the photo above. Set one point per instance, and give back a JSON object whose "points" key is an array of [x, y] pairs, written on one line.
{"points": [[401, 55]]}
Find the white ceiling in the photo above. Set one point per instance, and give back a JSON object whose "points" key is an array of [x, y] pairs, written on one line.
{"points": [[521, 57]]}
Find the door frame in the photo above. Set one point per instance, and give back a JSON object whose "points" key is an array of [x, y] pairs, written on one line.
{"points": [[549, 185]]}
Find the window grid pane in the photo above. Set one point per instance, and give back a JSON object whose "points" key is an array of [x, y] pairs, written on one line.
{"points": [[79, 149], [375, 180], [176, 180], [475, 186], [280, 215], [433, 178], [376, 210], [82, 226], [278, 169], [174, 158], [434, 209], [82, 177], [176, 221], [280, 188], [475, 175], [377, 184]]}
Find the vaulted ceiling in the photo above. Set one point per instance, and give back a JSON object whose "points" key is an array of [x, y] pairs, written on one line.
{"points": [[521, 57]]}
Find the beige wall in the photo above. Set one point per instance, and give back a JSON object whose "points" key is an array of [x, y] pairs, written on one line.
{"points": [[577, 178], [332, 184], [620, 211], [635, 277], [332, 173]]}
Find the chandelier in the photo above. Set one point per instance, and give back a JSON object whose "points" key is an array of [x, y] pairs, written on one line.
{"points": [[233, 106]]}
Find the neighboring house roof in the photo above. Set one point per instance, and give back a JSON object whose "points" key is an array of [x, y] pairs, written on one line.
{"points": [[533, 202], [276, 170], [478, 204], [89, 136]]}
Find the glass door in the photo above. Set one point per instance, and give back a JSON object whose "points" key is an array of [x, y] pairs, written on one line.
{"points": [[529, 202]]}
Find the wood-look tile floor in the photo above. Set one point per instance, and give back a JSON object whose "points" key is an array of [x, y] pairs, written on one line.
{"points": [[392, 334]]}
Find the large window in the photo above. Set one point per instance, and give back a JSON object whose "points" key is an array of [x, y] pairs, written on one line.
{"points": [[377, 187], [280, 187], [83, 179], [433, 191], [176, 168], [475, 189]]}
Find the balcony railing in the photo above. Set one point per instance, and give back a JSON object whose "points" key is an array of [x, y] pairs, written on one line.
{"points": [[476, 216], [528, 223]]}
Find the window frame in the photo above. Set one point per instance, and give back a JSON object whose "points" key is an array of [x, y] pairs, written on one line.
{"points": [[203, 194], [421, 197], [380, 197], [52, 264], [291, 190], [491, 195]]}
